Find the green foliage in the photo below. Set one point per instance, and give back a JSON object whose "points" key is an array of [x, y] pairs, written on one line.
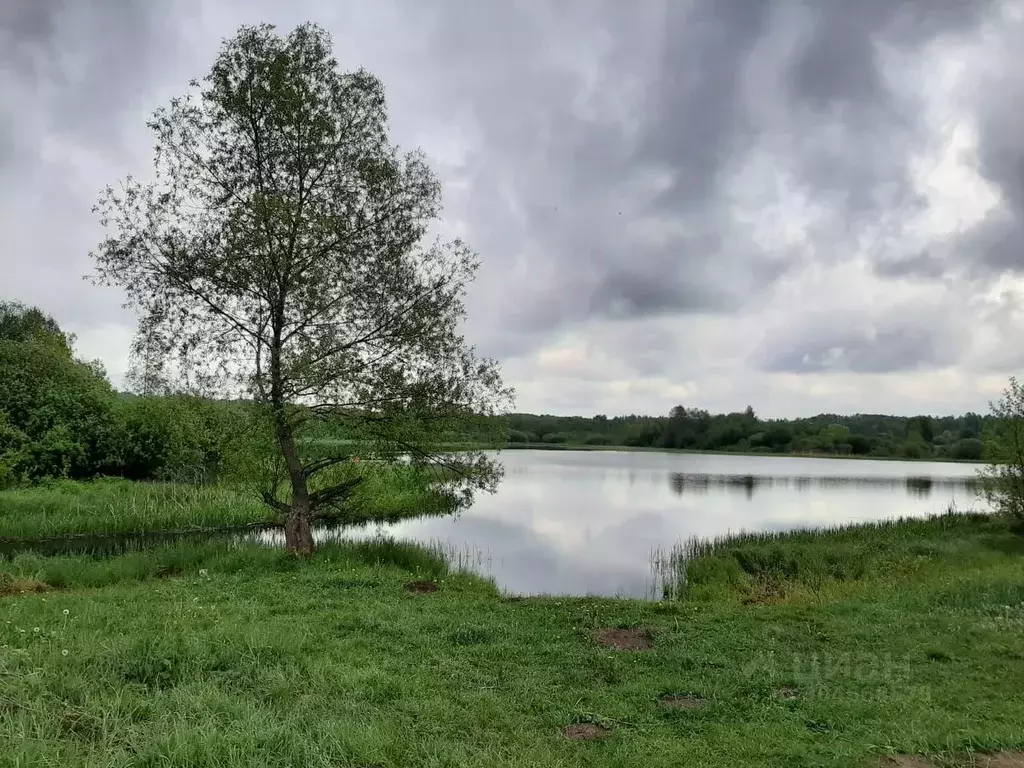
{"points": [[952, 437], [1003, 480], [19, 322], [184, 438], [113, 507], [762, 566], [55, 411], [969, 449]]}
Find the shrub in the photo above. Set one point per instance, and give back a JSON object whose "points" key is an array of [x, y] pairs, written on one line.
{"points": [[1003, 479], [57, 419], [969, 449], [516, 436]]}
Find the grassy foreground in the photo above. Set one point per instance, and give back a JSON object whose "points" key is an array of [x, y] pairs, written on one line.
{"points": [[228, 656]]}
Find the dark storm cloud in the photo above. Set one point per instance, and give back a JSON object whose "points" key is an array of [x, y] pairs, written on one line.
{"points": [[693, 123], [841, 343], [994, 99], [922, 265], [78, 79], [603, 143], [95, 59], [628, 208], [997, 244]]}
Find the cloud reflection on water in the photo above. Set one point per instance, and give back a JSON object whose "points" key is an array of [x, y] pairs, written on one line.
{"points": [[589, 522]]}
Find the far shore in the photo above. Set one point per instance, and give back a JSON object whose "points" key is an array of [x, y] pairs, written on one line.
{"points": [[646, 449]]}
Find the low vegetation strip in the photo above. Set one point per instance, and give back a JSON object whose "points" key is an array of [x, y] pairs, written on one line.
{"points": [[232, 653], [113, 507]]}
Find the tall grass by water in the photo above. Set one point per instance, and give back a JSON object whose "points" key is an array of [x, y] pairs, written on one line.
{"points": [[766, 566], [114, 507]]}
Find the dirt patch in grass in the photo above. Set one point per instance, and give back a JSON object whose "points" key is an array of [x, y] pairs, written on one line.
{"points": [[787, 693], [638, 639], [421, 587], [682, 701], [994, 760], [1000, 760], [585, 731], [10, 587]]}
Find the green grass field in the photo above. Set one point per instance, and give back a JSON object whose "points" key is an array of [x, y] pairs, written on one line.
{"points": [[781, 651]]}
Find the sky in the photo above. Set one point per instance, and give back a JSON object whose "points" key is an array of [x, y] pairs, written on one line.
{"points": [[802, 205]]}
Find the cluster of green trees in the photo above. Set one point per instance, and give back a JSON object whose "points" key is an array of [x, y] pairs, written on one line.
{"points": [[60, 417], [916, 437]]}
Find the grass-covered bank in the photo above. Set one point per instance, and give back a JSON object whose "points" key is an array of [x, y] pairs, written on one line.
{"points": [[242, 656], [120, 507]]}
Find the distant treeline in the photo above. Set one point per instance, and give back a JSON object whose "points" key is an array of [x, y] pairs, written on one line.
{"points": [[60, 418], [914, 437]]}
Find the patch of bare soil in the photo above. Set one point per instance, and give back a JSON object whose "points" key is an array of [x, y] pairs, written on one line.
{"points": [[638, 639], [585, 731], [787, 693], [10, 587], [906, 761], [421, 587], [682, 701], [994, 760], [1000, 760]]}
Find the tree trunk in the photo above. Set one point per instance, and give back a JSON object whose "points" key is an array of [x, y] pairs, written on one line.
{"points": [[298, 528], [298, 532]]}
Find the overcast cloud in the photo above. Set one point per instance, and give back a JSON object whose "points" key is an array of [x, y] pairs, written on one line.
{"points": [[804, 205]]}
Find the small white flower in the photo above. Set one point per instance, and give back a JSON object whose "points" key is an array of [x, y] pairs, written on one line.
{"points": [[64, 652], [35, 629], [67, 612], [203, 571]]}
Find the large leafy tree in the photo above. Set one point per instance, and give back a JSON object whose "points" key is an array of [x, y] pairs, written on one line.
{"points": [[22, 323], [281, 253], [55, 410]]}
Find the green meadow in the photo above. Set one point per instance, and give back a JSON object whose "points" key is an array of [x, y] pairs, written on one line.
{"points": [[828, 648]]}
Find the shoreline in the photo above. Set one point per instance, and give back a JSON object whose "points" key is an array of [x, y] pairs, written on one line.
{"points": [[709, 452]]}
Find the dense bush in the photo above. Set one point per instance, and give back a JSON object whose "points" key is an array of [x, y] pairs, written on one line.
{"points": [[970, 448], [55, 411], [60, 418], [174, 437]]}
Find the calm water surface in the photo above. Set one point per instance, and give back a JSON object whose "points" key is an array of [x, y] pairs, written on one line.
{"points": [[590, 522]]}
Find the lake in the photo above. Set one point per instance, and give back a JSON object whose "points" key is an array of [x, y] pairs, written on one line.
{"points": [[596, 522]]}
